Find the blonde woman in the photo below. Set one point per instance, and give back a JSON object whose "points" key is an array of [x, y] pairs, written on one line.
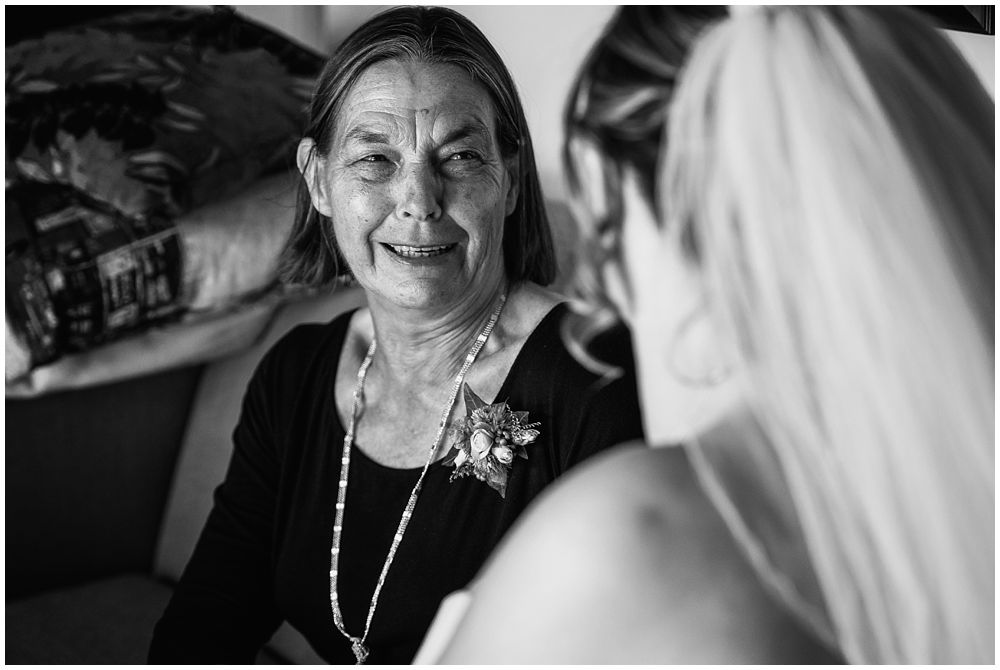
{"points": [[809, 279]]}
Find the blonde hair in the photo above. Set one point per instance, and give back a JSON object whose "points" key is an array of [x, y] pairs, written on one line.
{"points": [[835, 167]]}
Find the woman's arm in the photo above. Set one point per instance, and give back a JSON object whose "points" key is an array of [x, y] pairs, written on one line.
{"points": [[625, 561]]}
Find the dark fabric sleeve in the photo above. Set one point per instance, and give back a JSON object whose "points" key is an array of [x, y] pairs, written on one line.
{"points": [[610, 413], [223, 609]]}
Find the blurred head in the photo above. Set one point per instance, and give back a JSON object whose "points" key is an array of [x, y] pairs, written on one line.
{"points": [[615, 126], [820, 227], [833, 171], [447, 162]]}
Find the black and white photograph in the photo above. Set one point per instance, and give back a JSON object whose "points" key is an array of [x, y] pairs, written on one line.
{"points": [[500, 334]]}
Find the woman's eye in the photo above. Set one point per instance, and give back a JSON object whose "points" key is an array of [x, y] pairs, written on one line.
{"points": [[374, 167], [464, 156]]}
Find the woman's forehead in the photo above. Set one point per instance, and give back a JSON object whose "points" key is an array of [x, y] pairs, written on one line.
{"points": [[404, 97]]}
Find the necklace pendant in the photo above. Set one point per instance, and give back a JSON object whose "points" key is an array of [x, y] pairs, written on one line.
{"points": [[360, 651]]}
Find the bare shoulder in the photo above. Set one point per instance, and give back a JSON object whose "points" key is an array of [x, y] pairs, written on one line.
{"points": [[626, 561]]}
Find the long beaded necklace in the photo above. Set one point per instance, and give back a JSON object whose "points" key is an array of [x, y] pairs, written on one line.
{"points": [[358, 643]]}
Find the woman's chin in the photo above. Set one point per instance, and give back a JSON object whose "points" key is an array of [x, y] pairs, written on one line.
{"points": [[429, 293]]}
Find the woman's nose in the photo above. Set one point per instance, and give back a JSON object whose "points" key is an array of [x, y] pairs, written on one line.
{"points": [[420, 194]]}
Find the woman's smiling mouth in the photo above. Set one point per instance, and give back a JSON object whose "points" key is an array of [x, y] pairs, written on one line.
{"points": [[406, 251]]}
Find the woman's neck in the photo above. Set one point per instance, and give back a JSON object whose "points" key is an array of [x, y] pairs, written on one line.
{"points": [[416, 348], [749, 473]]}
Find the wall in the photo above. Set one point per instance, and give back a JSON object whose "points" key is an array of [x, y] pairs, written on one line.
{"points": [[543, 48], [980, 52]]}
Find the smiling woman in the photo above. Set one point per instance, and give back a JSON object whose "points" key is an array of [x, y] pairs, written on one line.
{"points": [[413, 137], [346, 510]]}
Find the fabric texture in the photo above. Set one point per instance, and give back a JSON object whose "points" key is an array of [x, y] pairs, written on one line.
{"points": [[163, 109], [100, 326], [150, 154], [106, 622], [264, 554]]}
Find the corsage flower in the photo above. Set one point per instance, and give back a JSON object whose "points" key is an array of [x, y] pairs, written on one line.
{"points": [[487, 440]]}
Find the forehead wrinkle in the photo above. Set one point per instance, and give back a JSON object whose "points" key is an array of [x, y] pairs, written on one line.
{"points": [[366, 135], [374, 127], [401, 112], [470, 129], [376, 133], [376, 118]]}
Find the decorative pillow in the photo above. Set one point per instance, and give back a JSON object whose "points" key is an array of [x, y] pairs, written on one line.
{"points": [[138, 149], [80, 274], [163, 109]]}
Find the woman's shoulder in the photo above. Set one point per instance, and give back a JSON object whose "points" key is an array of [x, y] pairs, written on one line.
{"points": [[542, 317], [528, 306], [626, 561], [638, 497]]}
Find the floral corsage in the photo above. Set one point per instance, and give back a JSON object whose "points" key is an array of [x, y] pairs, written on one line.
{"points": [[488, 439]]}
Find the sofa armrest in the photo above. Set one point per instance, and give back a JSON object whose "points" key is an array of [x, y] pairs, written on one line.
{"points": [[207, 443], [87, 475]]}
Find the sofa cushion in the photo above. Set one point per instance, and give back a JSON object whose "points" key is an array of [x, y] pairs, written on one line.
{"points": [[217, 266], [72, 460], [105, 622], [161, 109], [138, 149], [109, 621]]}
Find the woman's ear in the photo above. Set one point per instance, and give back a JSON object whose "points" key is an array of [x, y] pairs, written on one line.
{"points": [[514, 187], [311, 166]]}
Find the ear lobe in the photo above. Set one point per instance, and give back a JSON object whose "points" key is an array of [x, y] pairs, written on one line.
{"points": [[514, 187], [696, 355], [311, 166]]}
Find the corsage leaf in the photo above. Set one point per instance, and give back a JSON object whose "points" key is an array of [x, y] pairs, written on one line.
{"points": [[472, 401]]}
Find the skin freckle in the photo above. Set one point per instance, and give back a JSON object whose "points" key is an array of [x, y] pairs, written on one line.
{"points": [[434, 145]]}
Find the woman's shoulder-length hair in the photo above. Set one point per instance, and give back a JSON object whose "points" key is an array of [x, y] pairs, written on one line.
{"points": [[429, 35]]}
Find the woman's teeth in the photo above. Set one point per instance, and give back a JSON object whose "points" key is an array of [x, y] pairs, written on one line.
{"points": [[419, 252]]}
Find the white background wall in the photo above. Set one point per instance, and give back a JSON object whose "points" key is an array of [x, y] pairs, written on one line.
{"points": [[542, 47], [979, 50]]}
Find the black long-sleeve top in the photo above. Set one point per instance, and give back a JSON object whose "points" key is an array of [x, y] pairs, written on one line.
{"points": [[264, 555]]}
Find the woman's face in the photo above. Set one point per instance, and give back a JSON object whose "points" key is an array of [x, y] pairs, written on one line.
{"points": [[415, 186], [659, 292], [688, 380]]}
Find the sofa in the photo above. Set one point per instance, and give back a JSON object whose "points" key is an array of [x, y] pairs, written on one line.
{"points": [[112, 454], [110, 482], [105, 504]]}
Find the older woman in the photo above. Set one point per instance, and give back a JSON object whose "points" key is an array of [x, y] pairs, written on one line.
{"points": [[380, 457], [803, 243]]}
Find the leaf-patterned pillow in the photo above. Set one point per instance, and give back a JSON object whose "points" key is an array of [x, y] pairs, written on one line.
{"points": [[159, 110]]}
